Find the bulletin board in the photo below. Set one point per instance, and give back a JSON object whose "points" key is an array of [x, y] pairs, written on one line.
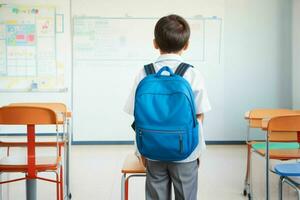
{"points": [[28, 48]]}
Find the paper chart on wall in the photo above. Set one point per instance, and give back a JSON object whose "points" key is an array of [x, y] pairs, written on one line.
{"points": [[28, 49]]}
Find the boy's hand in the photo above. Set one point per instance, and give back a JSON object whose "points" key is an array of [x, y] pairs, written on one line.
{"points": [[200, 117], [143, 160]]}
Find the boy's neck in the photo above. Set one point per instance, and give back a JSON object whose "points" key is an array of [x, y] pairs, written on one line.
{"points": [[177, 53]]}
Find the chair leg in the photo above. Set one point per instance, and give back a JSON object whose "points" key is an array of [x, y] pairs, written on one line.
{"points": [[1, 187], [7, 187], [293, 184], [57, 186], [126, 188], [246, 183], [123, 186], [280, 187], [61, 184], [250, 185]]}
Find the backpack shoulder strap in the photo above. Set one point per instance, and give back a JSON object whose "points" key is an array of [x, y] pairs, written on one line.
{"points": [[149, 69], [181, 69]]}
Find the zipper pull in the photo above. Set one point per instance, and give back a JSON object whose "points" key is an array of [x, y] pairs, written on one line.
{"points": [[140, 133], [140, 136], [181, 143]]}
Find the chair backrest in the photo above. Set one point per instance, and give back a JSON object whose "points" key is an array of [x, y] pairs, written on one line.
{"points": [[29, 116], [57, 107], [288, 123], [24, 115]]}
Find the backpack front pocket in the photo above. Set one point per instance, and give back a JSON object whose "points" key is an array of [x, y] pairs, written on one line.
{"points": [[164, 145]]}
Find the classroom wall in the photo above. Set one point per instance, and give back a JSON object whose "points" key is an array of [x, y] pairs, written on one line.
{"points": [[257, 60], [256, 56], [296, 53]]}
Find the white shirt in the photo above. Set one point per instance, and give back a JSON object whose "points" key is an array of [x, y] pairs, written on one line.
{"points": [[194, 77]]}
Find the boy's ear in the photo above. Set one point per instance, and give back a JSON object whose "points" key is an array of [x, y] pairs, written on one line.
{"points": [[155, 44], [186, 46]]}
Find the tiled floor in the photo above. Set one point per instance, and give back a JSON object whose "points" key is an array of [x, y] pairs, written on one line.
{"points": [[95, 175]]}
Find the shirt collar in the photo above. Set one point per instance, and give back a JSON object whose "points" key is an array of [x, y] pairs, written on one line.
{"points": [[169, 57]]}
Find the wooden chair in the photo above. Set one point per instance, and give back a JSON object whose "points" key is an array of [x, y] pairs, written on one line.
{"points": [[61, 113], [279, 140], [132, 167], [63, 118], [32, 165], [284, 125]]}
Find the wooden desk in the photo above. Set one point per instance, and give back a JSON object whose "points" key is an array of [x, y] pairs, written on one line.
{"points": [[135, 168], [257, 119], [63, 117]]}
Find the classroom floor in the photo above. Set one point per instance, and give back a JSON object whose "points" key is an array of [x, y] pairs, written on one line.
{"points": [[95, 175], [218, 161]]}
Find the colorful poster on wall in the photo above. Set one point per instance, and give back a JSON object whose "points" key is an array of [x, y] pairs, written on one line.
{"points": [[28, 48], [20, 35]]}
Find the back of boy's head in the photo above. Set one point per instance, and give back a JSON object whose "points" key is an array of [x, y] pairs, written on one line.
{"points": [[171, 33]]}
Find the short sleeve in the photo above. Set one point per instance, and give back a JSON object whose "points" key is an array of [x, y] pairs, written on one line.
{"points": [[129, 105], [202, 103]]}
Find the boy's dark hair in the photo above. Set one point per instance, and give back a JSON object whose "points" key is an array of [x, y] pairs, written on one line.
{"points": [[171, 33]]}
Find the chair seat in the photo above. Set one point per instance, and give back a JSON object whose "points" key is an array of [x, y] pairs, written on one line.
{"points": [[275, 145], [19, 164], [133, 164], [291, 169]]}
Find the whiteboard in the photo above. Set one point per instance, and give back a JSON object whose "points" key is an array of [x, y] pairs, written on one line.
{"points": [[108, 52]]}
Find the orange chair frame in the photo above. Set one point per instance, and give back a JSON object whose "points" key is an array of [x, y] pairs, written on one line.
{"points": [[31, 116], [283, 124]]}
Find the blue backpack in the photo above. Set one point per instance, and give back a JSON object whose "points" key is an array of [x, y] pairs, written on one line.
{"points": [[165, 119]]}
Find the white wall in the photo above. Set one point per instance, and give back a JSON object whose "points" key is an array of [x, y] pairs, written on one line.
{"points": [[296, 53], [257, 59]]}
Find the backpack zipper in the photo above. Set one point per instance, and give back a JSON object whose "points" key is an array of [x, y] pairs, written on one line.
{"points": [[180, 143], [156, 131], [141, 138]]}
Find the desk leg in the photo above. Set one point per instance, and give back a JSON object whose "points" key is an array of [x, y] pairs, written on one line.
{"points": [[123, 186], [31, 189], [1, 191], [250, 194], [67, 170], [247, 177], [67, 167], [267, 167]]}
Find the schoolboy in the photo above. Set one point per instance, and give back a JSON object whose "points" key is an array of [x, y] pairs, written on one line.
{"points": [[172, 35]]}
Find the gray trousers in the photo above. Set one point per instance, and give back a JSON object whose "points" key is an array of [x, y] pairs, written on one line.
{"points": [[161, 175]]}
